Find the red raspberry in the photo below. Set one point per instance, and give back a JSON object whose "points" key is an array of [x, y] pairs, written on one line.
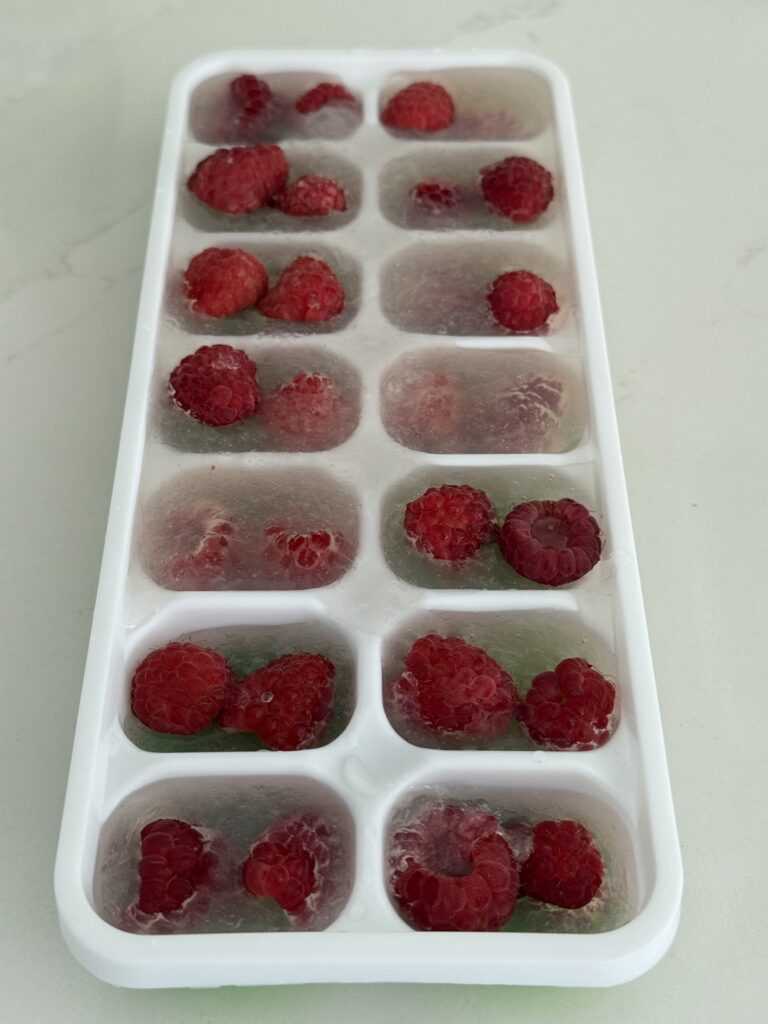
{"points": [[205, 550], [220, 282], [435, 196], [311, 196], [450, 522], [453, 870], [570, 708], [564, 867], [523, 417], [428, 412], [308, 559], [551, 542], [175, 862], [322, 94], [252, 94], [307, 290], [287, 703], [292, 864], [180, 688], [517, 188], [420, 107], [521, 301], [308, 408], [241, 179], [450, 686], [216, 385]]}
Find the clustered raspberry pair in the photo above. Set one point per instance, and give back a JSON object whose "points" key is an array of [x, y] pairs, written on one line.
{"points": [[220, 282], [206, 546], [450, 688], [183, 688], [441, 411], [181, 864], [517, 188], [242, 179], [549, 542], [218, 385], [257, 104], [457, 868]]}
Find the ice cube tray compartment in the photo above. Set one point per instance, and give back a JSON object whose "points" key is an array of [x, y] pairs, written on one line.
{"points": [[232, 813], [213, 117], [491, 103], [440, 286], [525, 643], [303, 159], [461, 168], [277, 366], [368, 770], [247, 648], [276, 256]]}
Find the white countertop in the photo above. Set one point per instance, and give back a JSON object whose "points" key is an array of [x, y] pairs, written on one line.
{"points": [[670, 106]]}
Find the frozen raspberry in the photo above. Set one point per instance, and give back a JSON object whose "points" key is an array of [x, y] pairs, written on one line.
{"points": [[220, 282], [292, 864], [308, 408], [564, 867], [253, 95], [521, 301], [180, 688], [287, 703], [307, 290], [175, 862], [321, 95], [450, 522], [517, 188], [241, 179], [204, 549], [523, 417], [420, 107], [435, 197], [453, 870], [551, 542], [450, 686], [427, 411], [216, 385], [307, 559], [311, 196], [570, 708]]}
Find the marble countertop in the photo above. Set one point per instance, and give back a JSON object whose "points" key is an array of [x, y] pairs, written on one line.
{"points": [[669, 102]]}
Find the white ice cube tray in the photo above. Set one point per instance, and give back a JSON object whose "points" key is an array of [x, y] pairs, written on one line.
{"points": [[406, 294]]}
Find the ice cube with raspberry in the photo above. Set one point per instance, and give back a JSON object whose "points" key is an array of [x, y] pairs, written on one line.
{"points": [[296, 863], [175, 864], [450, 523], [200, 546], [307, 413], [522, 414], [452, 868], [551, 542], [181, 688], [287, 703], [220, 282], [241, 179], [422, 107], [564, 867], [307, 291], [569, 708], [428, 410], [452, 688], [217, 385], [298, 558]]}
